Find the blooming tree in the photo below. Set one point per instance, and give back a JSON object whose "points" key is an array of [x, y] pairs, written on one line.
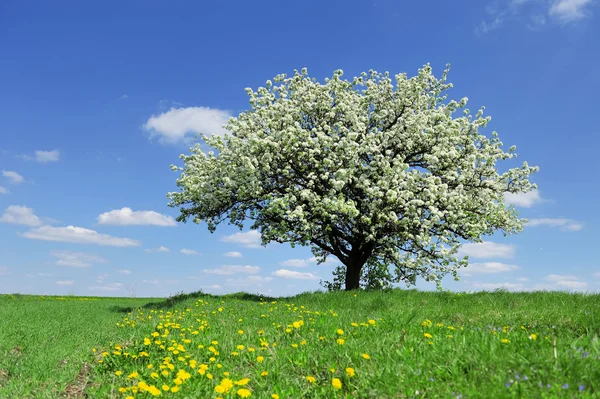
{"points": [[372, 169]]}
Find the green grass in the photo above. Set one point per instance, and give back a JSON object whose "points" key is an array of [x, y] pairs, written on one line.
{"points": [[403, 361], [44, 341]]}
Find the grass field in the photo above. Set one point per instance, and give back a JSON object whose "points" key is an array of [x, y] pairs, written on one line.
{"points": [[397, 344]]}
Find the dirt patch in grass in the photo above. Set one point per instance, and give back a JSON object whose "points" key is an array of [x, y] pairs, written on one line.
{"points": [[4, 377], [76, 389]]}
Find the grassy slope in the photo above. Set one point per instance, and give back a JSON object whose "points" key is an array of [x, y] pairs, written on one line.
{"points": [[45, 340], [473, 363]]}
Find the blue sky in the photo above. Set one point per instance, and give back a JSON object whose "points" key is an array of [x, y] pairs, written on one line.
{"points": [[97, 100]]}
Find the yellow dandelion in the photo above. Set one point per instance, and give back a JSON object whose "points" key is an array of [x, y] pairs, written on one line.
{"points": [[365, 356], [340, 331], [311, 379], [505, 341], [350, 371], [260, 359], [427, 335], [336, 383], [340, 341], [244, 393]]}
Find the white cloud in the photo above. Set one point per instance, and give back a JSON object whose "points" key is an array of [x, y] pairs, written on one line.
{"points": [[525, 200], [233, 254], [259, 279], [488, 26], [162, 248], [128, 217], [124, 271], [563, 223], [186, 251], [567, 11], [47, 156], [249, 239], [78, 235], [65, 282], [294, 263], [566, 281], [173, 126], [494, 286], [4, 271], [3, 190], [233, 269], [522, 279], [487, 249], [18, 214], [76, 259], [488, 268], [107, 287], [572, 284], [597, 274], [295, 275], [14, 177]]}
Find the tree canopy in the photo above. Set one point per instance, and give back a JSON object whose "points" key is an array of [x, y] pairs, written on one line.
{"points": [[375, 170]]}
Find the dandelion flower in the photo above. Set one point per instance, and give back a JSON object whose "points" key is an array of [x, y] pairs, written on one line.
{"points": [[336, 383], [366, 356]]}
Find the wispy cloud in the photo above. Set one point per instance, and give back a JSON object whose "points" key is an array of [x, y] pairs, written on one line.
{"points": [[532, 13], [249, 239], [233, 269], [3, 190], [162, 248], [233, 254], [127, 216], [124, 271], [76, 259], [186, 251], [175, 124], [47, 156], [567, 281], [285, 273], [14, 177], [487, 249], [567, 11], [65, 282], [18, 214], [107, 287], [563, 223], [488, 268], [78, 235], [305, 262], [525, 200]]}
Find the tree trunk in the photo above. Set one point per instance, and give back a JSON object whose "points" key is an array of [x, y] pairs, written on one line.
{"points": [[353, 269]]}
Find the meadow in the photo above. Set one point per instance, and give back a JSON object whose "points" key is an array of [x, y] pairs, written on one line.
{"points": [[394, 344]]}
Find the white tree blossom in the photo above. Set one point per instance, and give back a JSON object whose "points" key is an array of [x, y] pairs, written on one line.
{"points": [[374, 168]]}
